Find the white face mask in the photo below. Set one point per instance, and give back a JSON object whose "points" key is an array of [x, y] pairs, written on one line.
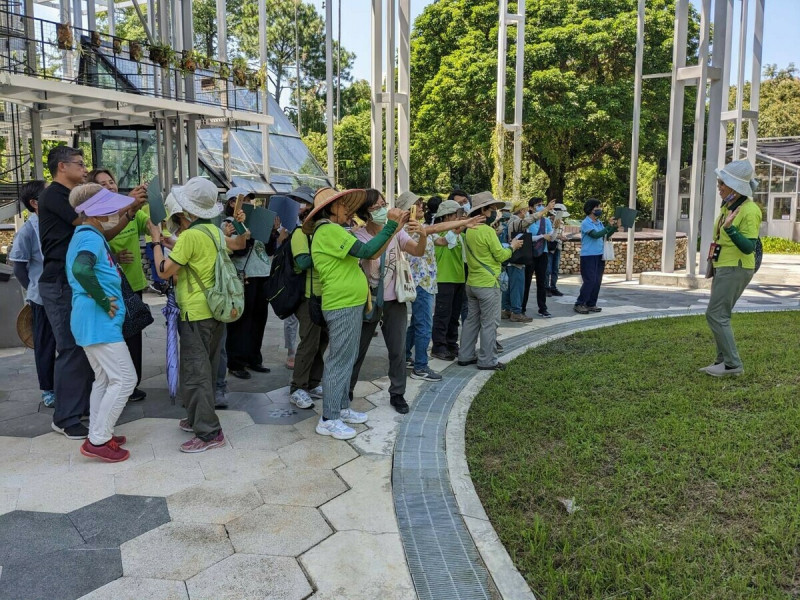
{"points": [[113, 221], [466, 208]]}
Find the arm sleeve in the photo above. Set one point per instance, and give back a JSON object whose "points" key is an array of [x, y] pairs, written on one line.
{"points": [[21, 273], [744, 244], [303, 262], [368, 250], [83, 271], [271, 245], [599, 233]]}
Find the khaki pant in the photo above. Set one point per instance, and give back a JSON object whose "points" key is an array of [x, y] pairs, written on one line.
{"points": [[200, 343], [483, 318], [308, 362], [726, 288]]}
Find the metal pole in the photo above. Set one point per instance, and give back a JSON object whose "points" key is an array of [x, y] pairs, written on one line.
{"points": [[191, 123], [112, 26], [675, 134], [376, 129], [500, 115], [91, 15], [404, 89], [262, 47], [717, 103], [695, 201], [329, 84], [755, 81], [297, 67], [637, 113], [339, 66], [222, 56], [518, 83], [391, 175], [737, 136]]}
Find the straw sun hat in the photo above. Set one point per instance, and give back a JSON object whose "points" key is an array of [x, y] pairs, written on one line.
{"points": [[25, 325], [353, 200], [483, 200]]}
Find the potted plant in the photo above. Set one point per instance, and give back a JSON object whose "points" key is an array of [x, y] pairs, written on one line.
{"points": [[64, 36], [188, 62], [240, 72], [96, 41], [224, 70], [116, 45], [256, 80], [162, 55], [203, 61], [135, 50]]}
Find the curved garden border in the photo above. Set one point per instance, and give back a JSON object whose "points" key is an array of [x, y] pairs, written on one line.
{"points": [[450, 545]]}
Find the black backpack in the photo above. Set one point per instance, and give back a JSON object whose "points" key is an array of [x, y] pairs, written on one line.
{"points": [[285, 288]]}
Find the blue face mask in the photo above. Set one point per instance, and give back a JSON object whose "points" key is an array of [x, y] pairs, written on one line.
{"points": [[597, 212], [380, 216]]}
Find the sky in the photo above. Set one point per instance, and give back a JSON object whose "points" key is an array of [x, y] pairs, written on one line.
{"points": [[781, 30]]}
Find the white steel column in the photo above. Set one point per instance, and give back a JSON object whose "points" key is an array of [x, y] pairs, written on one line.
{"points": [[637, 113], [695, 203], [187, 30], [517, 18], [675, 134], [518, 83], [500, 114], [403, 98], [262, 48], [376, 142], [112, 29], [222, 56], [391, 176], [329, 84], [755, 81], [91, 15], [737, 134]]}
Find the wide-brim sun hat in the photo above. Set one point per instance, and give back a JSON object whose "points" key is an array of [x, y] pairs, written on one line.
{"points": [[353, 200], [25, 326], [198, 197], [561, 211], [447, 207], [406, 200], [303, 194], [235, 192], [483, 200], [519, 205], [171, 204], [738, 175], [104, 203]]}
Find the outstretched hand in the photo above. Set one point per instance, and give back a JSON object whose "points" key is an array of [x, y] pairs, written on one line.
{"points": [[729, 219]]}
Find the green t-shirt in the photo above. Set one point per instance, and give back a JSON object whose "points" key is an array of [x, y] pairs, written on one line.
{"points": [[300, 246], [194, 248], [344, 284], [128, 239], [484, 246], [450, 262], [748, 222]]}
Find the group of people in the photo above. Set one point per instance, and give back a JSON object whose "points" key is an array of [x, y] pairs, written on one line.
{"points": [[464, 260]]}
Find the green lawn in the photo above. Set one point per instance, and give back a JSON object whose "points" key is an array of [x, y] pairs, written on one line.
{"points": [[687, 486]]}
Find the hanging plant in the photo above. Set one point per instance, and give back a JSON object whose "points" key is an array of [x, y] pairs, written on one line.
{"points": [[203, 61], [135, 51], [188, 62], [116, 45], [96, 41], [256, 79], [240, 72], [64, 36], [224, 70], [162, 55]]}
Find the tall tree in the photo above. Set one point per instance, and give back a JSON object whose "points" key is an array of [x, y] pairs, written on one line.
{"points": [[779, 102]]}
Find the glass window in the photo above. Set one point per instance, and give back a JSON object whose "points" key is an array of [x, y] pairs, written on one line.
{"points": [[762, 175], [762, 199], [790, 180], [776, 181], [685, 207], [782, 208]]}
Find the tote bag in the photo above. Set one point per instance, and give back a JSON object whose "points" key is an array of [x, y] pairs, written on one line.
{"points": [[404, 284], [608, 250]]}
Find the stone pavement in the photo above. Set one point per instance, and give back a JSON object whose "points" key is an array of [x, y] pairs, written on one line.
{"points": [[279, 512]]}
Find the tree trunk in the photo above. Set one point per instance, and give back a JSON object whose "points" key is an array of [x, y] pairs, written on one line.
{"points": [[558, 181]]}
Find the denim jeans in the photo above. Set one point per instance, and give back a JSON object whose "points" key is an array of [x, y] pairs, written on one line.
{"points": [[553, 264], [418, 334], [512, 297]]}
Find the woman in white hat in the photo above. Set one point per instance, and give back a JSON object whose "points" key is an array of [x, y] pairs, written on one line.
{"points": [[732, 255]]}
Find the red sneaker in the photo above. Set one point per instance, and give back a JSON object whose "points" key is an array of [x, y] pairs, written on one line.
{"points": [[183, 425], [197, 445], [108, 452], [119, 439]]}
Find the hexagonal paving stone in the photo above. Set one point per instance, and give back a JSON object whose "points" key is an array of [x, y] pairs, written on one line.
{"points": [[175, 551], [263, 437], [300, 487], [42, 532], [245, 576], [63, 492], [241, 466], [8, 499], [213, 502], [159, 478], [137, 588], [278, 530], [317, 453], [115, 520], [26, 425], [359, 566], [68, 573]]}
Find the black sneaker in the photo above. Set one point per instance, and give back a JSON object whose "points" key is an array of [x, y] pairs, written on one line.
{"points": [[581, 309], [444, 355], [240, 374], [258, 368], [544, 314], [399, 403], [73, 432], [549, 293], [556, 292], [594, 308], [137, 395], [498, 366], [466, 363]]}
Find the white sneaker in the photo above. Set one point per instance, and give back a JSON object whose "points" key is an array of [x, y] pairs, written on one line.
{"points": [[316, 393], [301, 399], [721, 370], [704, 369], [348, 415], [335, 428]]}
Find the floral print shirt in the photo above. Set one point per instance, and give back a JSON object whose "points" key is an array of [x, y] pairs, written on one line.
{"points": [[423, 268]]}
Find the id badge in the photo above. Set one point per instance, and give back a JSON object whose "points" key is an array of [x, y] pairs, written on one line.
{"points": [[713, 251]]}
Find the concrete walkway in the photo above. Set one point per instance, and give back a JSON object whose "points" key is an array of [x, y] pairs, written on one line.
{"points": [[279, 512]]}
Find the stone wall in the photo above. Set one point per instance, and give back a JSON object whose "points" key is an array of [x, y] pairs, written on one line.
{"points": [[646, 256]]}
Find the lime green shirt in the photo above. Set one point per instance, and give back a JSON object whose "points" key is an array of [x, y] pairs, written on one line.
{"points": [[484, 246], [344, 284], [748, 222], [299, 247], [128, 239], [194, 248], [450, 262]]}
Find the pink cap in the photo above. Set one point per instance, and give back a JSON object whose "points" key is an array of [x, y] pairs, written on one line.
{"points": [[103, 203]]}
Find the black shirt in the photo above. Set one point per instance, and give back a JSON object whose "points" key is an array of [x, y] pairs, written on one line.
{"points": [[55, 230]]}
